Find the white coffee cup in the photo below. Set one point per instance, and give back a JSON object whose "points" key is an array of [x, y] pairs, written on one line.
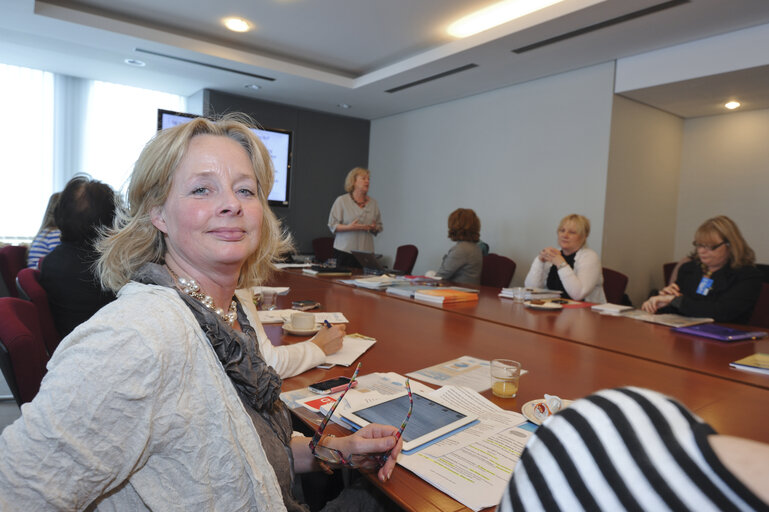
{"points": [[302, 320]]}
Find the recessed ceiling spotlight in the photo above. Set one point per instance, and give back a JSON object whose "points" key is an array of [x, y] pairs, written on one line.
{"points": [[344, 105], [496, 14], [237, 24], [731, 105], [253, 87], [135, 62]]}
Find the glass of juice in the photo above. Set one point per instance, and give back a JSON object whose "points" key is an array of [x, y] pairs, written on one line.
{"points": [[505, 374]]}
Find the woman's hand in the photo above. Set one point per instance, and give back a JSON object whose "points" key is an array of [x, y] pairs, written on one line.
{"points": [[671, 290], [552, 255], [372, 438], [330, 340], [657, 302]]}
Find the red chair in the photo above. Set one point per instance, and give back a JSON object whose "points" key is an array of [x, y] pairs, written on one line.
{"points": [[12, 259], [22, 351], [405, 258], [28, 283], [323, 248], [614, 285], [760, 316], [497, 270]]}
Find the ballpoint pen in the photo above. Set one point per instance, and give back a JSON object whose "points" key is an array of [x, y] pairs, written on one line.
{"points": [[327, 323]]}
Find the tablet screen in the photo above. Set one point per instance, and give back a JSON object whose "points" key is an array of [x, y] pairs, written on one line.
{"points": [[427, 417]]}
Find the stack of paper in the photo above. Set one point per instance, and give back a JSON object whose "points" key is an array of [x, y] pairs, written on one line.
{"points": [[669, 319], [375, 282], [445, 296], [610, 309], [532, 293]]}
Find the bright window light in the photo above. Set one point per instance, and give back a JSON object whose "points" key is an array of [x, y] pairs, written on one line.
{"points": [[27, 141], [732, 105], [496, 14], [237, 24], [119, 120]]}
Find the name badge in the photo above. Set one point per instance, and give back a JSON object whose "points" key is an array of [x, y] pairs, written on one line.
{"points": [[705, 285]]}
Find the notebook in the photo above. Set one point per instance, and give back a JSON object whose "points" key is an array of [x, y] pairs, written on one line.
{"points": [[754, 363], [720, 332]]}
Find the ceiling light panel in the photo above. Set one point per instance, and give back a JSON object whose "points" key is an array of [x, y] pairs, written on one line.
{"points": [[496, 14]]}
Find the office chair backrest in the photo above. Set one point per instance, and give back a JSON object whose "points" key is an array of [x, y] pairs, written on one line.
{"points": [[760, 316], [12, 259], [405, 258], [22, 351], [614, 285], [323, 248], [497, 270], [28, 282]]}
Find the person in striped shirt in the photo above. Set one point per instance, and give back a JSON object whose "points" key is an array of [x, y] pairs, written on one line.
{"points": [[636, 449], [47, 237]]}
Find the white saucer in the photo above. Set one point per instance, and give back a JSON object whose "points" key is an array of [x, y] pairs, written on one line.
{"points": [[300, 332], [545, 305], [528, 409]]}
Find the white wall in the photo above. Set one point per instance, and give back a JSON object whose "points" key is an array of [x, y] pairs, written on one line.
{"points": [[641, 194], [522, 157], [725, 170]]}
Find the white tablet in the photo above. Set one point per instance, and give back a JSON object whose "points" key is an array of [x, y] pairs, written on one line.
{"points": [[429, 419]]}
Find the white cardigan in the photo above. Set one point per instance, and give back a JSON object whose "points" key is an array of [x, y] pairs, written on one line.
{"points": [[583, 282], [287, 360], [136, 413]]}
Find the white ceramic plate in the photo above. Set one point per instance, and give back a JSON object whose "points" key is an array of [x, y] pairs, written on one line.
{"points": [[545, 305], [528, 408], [300, 332]]}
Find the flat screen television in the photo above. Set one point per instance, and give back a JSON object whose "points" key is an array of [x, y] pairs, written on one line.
{"points": [[277, 142]]}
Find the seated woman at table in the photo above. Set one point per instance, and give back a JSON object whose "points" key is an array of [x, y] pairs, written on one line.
{"points": [[574, 268], [354, 218], [161, 401], [291, 360], [720, 282], [636, 449], [464, 262], [48, 237]]}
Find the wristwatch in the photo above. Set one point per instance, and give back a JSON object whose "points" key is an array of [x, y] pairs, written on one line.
{"points": [[560, 266]]}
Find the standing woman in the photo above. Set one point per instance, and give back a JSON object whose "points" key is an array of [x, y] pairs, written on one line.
{"points": [[574, 269], [720, 281], [354, 218]]}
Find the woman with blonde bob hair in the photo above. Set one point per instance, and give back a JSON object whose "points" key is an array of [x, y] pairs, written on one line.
{"points": [[162, 400], [574, 268], [720, 281], [136, 240], [464, 261], [354, 218]]}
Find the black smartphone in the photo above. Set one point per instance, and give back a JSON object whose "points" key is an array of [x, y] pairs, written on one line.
{"points": [[304, 305], [328, 386]]}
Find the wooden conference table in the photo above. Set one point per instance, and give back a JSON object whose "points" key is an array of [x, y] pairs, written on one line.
{"points": [[570, 361]]}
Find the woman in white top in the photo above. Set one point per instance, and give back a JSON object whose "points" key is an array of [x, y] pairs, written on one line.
{"points": [[574, 269], [354, 218]]}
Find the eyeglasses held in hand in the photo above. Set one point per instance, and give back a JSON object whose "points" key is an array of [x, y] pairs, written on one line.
{"points": [[709, 247], [364, 461]]}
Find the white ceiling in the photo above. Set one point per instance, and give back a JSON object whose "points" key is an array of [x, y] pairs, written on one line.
{"points": [[318, 55]]}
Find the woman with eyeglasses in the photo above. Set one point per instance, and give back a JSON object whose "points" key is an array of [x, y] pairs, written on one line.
{"points": [[720, 282], [162, 400]]}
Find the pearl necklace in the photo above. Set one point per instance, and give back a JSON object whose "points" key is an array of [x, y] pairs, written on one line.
{"points": [[192, 288]]}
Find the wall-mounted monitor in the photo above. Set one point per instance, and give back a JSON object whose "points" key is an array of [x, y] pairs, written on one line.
{"points": [[277, 142]]}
